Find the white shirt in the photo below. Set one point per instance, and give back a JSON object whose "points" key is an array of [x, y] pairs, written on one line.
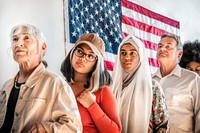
{"points": [[181, 88]]}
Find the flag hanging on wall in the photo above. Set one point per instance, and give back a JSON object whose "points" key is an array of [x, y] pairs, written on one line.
{"points": [[114, 19]]}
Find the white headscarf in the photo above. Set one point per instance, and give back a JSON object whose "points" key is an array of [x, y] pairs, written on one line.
{"points": [[135, 99]]}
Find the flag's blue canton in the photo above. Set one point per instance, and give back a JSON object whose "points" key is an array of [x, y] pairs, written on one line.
{"points": [[96, 16]]}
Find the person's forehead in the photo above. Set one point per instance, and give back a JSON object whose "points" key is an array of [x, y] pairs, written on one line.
{"points": [[193, 64], [85, 47], [21, 31], [167, 40], [128, 46]]}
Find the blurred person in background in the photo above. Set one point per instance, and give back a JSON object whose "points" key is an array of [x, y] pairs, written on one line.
{"points": [[191, 56]]}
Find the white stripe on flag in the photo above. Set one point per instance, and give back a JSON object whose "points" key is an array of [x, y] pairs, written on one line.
{"points": [[140, 33], [149, 21]]}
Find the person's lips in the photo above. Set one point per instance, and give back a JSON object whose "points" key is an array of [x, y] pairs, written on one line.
{"points": [[80, 64], [127, 63], [20, 51], [162, 54]]}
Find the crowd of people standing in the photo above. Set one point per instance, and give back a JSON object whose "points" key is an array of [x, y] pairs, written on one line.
{"points": [[86, 98]]}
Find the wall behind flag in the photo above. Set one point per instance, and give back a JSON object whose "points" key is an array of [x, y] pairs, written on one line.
{"points": [[47, 15]]}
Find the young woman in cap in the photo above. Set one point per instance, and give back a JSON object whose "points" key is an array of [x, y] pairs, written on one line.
{"points": [[85, 72]]}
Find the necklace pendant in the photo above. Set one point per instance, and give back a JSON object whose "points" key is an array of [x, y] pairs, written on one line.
{"points": [[17, 87]]}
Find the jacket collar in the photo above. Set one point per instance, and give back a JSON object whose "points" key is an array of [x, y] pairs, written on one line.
{"points": [[35, 75], [31, 81]]}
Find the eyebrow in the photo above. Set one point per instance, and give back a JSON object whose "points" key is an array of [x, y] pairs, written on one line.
{"points": [[22, 34], [128, 50], [164, 44], [91, 52]]}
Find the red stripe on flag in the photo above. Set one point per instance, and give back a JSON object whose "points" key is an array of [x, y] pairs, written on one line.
{"points": [[142, 26], [148, 44], [125, 34], [150, 13], [109, 65], [153, 62]]}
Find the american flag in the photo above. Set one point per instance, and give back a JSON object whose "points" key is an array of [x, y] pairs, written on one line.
{"points": [[114, 19]]}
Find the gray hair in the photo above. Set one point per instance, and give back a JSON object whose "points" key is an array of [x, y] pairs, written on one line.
{"points": [[176, 38], [31, 30]]}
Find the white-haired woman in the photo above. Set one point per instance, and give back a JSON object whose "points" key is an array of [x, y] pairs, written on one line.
{"points": [[35, 100]]}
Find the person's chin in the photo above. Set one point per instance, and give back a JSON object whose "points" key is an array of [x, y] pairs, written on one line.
{"points": [[20, 59], [128, 69], [162, 59]]}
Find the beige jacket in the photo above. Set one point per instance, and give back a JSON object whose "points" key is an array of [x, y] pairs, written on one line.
{"points": [[45, 98]]}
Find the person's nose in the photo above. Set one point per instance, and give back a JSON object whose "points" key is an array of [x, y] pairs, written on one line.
{"points": [[162, 48], [127, 57], [83, 58], [20, 43]]}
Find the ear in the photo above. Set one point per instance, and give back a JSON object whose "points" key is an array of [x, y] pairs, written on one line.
{"points": [[180, 52], [44, 47]]}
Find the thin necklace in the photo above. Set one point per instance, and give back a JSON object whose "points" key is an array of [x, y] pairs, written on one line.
{"points": [[16, 79]]}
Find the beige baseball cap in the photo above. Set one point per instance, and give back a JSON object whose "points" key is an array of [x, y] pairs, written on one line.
{"points": [[92, 39]]}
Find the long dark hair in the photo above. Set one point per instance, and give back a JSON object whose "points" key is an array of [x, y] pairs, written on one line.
{"points": [[68, 72]]}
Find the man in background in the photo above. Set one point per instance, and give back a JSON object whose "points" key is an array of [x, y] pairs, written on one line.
{"points": [[181, 87]]}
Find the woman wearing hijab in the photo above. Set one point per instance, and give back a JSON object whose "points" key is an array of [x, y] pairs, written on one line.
{"points": [[140, 100]]}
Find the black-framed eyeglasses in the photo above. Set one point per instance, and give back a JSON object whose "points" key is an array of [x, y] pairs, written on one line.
{"points": [[80, 53]]}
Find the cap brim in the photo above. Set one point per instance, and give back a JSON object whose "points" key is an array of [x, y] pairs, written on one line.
{"points": [[91, 45]]}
